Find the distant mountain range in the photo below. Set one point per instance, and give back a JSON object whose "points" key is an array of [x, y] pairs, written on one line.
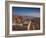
{"points": [[29, 18]]}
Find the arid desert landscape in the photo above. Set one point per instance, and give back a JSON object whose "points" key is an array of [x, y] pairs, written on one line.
{"points": [[25, 18], [22, 23]]}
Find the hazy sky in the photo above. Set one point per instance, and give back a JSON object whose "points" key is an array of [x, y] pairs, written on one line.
{"points": [[26, 11]]}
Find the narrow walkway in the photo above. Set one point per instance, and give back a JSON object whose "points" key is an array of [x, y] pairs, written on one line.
{"points": [[28, 27]]}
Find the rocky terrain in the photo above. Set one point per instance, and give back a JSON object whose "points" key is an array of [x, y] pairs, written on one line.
{"points": [[20, 23]]}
